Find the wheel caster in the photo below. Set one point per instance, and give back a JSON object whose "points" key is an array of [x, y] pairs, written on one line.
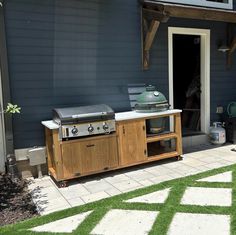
{"points": [[62, 184], [179, 158]]}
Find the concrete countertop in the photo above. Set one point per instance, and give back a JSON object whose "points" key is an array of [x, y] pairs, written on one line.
{"points": [[121, 117]]}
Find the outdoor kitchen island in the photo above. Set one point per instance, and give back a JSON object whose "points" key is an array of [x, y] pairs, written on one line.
{"points": [[130, 145]]}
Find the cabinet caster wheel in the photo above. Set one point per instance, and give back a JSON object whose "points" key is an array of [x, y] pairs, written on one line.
{"points": [[62, 184], [179, 158]]}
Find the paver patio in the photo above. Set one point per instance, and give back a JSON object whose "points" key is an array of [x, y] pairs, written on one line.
{"points": [[134, 216], [197, 204], [50, 198]]}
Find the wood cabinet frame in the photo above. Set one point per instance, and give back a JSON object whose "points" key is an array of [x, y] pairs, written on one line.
{"points": [[176, 134]]}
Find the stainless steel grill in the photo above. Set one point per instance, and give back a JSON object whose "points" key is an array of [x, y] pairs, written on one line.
{"points": [[84, 120]]}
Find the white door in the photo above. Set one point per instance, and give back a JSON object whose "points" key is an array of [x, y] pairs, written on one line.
{"points": [[204, 68]]}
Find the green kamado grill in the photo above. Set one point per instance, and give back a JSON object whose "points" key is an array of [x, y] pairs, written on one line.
{"points": [[151, 101]]}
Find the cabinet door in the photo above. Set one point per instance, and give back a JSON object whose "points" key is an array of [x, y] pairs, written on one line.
{"points": [[83, 157], [132, 142], [98, 155]]}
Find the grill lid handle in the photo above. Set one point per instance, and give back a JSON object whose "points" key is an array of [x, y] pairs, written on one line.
{"points": [[84, 115]]}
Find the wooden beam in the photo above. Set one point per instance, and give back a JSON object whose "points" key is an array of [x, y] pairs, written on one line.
{"points": [[232, 46], [151, 34], [147, 40], [155, 15], [230, 52], [190, 12]]}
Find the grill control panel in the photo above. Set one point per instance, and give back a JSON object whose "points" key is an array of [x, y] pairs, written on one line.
{"points": [[86, 129]]}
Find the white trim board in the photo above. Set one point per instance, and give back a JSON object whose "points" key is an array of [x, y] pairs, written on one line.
{"points": [[205, 70], [2, 132], [204, 3]]}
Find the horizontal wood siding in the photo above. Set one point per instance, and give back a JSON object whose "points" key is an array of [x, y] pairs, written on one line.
{"points": [[79, 52]]}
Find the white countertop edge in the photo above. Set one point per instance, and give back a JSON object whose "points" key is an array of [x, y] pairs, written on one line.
{"points": [[122, 116], [50, 124], [135, 115]]}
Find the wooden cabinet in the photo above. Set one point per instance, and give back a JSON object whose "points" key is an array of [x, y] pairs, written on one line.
{"points": [[74, 158], [136, 146], [94, 154], [132, 142]]}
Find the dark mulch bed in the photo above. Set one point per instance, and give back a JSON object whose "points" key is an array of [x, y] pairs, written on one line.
{"points": [[15, 201]]}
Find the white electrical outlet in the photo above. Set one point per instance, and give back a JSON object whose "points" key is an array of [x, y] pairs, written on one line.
{"points": [[219, 109]]}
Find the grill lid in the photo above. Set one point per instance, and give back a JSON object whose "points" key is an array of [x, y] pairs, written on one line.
{"points": [[151, 100], [83, 114], [151, 96]]}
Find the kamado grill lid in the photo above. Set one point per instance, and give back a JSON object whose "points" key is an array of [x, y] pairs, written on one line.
{"points": [[151, 100]]}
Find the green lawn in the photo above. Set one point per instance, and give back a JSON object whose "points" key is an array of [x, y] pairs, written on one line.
{"points": [[166, 210]]}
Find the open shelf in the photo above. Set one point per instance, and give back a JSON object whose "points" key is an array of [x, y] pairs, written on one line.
{"points": [[162, 147], [163, 156], [155, 138]]}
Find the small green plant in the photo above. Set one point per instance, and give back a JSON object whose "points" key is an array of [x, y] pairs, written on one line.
{"points": [[12, 108]]}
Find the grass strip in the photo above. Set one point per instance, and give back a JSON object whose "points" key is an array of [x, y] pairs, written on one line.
{"points": [[233, 211]]}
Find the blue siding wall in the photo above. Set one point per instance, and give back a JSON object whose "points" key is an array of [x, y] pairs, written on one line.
{"points": [[79, 52]]}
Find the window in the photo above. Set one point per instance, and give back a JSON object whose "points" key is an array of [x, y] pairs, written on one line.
{"points": [[223, 4]]}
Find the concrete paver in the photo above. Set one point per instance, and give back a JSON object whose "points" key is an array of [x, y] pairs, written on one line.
{"points": [[196, 224], [155, 197], [73, 191], [123, 186], [129, 222], [207, 196], [66, 225], [101, 185], [223, 177], [95, 196]]}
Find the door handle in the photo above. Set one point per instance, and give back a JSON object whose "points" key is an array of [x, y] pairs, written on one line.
{"points": [[123, 130], [90, 145]]}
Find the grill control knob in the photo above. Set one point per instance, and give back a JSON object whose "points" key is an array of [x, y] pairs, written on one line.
{"points": [[90, 128], [74, 131], [105, 126]]}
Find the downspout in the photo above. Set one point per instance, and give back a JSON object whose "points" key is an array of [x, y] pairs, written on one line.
{"points": [[6, 120]]}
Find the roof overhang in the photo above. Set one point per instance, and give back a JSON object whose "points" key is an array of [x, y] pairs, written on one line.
{"points": [[154, 13], [189, 12]]}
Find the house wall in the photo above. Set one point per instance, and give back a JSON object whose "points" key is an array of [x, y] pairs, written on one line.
{"points": [[65, 53]]}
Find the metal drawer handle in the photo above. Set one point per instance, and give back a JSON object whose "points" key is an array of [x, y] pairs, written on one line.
{"points": [[90, 145]]}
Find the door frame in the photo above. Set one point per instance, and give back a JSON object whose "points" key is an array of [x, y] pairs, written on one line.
{"points": [[204, 68], [2, 132]]}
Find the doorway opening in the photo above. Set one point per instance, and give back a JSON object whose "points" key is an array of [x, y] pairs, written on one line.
{"points": [[187, 81], [199, 40]]}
